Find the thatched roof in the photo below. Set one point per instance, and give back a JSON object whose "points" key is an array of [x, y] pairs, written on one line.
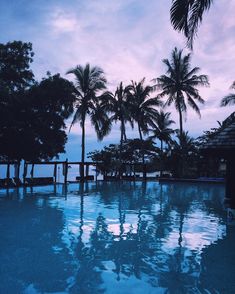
{"points": [[224, 140]]}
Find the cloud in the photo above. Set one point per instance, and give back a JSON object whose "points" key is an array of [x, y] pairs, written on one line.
{"points": [[62, 22]]}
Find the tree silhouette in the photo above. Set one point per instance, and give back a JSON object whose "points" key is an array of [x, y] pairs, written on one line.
{"points": [[32, 114], [229, 99], [143, 107], [117, 104], [186, 15], [180, 83], [162, 130], [89, 81]]}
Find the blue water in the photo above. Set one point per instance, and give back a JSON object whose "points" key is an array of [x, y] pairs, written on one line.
{"points": [[116, 238]]}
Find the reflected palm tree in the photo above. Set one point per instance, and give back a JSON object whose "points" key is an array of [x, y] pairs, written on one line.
{"points": [[39, 240], [88, 279]]}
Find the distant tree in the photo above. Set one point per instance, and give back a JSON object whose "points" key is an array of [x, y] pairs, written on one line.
{"points": [[184, 142], [108, 159], [180, 84], [89, 81], [162, 130], [186, 15], [229, 99], [182, 154], [134, 148]]}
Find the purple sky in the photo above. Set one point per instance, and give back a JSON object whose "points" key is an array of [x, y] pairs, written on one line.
{"points": [[128, 39]]}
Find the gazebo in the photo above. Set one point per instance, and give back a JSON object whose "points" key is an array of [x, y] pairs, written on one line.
{"points": [[222, 145]]}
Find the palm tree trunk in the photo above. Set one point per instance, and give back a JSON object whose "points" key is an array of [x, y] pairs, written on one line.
{"points": [[124, 134], [181, 124], [83, 151], [140, 133], [121, 145], [142, 151], [181, 165], [161, 158]]}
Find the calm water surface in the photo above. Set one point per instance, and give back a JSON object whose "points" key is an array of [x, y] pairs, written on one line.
{"points": [[116, 238]]}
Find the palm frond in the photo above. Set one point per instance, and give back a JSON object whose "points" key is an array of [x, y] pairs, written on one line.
{"points": [[228, 100], [186, 15]]}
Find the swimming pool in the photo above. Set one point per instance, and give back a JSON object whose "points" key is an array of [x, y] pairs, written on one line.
{"points": [[116, 237]]}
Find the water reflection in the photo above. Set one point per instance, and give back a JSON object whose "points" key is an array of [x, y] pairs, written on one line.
{"points": [[116, 238]]}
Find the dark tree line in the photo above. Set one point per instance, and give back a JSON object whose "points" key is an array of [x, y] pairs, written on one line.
{"points": [[32, 114]]}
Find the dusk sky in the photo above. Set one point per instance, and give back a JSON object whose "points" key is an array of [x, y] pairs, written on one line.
{"points": [[128, 39]]}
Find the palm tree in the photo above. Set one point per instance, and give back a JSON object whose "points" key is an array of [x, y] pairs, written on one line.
{"points": [[180, 84], [186, 15], [184, 143], [162, 130], [89, 81], [181, 148], [143, 110], [229, 99], [142, 106], [118, 106]]}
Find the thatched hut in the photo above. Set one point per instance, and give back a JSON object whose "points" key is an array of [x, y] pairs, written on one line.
{"points": [[222, 145]]}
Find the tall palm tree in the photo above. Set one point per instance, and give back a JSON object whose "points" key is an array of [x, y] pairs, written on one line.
{"points": [[143, 107], [180, 84], [89, 81], [229, 99], [162, 130], [186, 15], [117, 105]]}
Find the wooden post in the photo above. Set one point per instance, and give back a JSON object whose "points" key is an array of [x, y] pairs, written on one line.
{"points": [[144, 171], [25, 171], [96, 172], [55, 172], [87, 170], [18, 170], [66, 171], [32, 171], [8, 171]]}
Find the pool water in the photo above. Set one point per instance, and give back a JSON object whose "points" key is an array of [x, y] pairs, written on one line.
{"points": [[116, 237]]}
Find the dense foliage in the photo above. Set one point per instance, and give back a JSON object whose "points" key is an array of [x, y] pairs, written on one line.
{"points": [[32, 114]]}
